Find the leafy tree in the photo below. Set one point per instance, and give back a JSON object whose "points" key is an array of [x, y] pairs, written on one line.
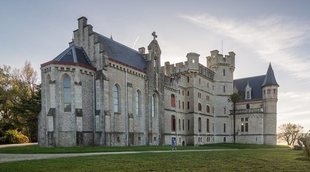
{"points": [[20, 100], [289, 132], [234, 98]]}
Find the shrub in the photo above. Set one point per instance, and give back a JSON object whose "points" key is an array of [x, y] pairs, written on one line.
{"points": [[13, 136]]}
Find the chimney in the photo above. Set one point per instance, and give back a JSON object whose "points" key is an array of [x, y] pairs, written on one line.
{"points": [[142, 50], [82, 22]]}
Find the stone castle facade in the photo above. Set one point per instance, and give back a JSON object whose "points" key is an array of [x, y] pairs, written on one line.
{"points": [[100, 92]]}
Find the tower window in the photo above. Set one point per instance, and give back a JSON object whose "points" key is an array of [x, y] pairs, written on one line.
{"points": [[188, 124], [199, 124], [187, 105], [172, 99], [172, 123], [187, 79], [224, 128], [138, 103], [224, 89], [199, 106], [224, 72], [208, 125]]}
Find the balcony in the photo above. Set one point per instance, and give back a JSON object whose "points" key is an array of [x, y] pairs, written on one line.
{"points": [[248, 111]]}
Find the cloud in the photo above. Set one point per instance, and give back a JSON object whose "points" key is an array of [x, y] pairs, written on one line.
{"points": [[274, 38]]}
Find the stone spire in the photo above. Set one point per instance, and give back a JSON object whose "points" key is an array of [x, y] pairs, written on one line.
{"points": [[270, 78]]}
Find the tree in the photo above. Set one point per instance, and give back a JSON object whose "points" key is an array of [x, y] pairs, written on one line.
{"points": [[289, 132], [234, 98]]}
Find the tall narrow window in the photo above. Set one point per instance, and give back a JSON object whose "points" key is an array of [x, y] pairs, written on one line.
{"points": [[187, 79], [224, 89], [208, 109], [199, 106], [154, 105], [224, 128], [224, 72], [172, 100], [179, 124], [116, 99], [208, 125], [187, 105], [183, 124], [188, 125], [172, 123], [224, 110], [67, 93], [199, 124], [138, 103]]}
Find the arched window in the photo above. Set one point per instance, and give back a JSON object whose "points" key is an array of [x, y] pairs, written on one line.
{"points": [[154, 105], [199, 106], [67, 93], [172, 123], [208, 109], [138, 103], [116, 98], [172, 100], [199, 124]]}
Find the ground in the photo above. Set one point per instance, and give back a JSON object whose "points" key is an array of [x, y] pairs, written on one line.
{"points": [[225, 157]]}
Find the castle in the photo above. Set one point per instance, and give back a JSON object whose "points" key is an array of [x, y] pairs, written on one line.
{"points": [[100, 92]]}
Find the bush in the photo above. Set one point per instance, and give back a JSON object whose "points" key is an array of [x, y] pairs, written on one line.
{"points": [[13, 136]]}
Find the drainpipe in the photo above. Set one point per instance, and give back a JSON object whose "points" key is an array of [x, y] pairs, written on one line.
{"points": [[94, 108]]}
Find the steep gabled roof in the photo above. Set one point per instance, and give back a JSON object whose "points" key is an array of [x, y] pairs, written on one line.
{"points": [[72, 56], [270, 78], [121, 53], [255, 83]]}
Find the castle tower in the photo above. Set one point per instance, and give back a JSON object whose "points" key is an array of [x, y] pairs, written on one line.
{"points": [[223, 68], [153, 93], [270, 99]]}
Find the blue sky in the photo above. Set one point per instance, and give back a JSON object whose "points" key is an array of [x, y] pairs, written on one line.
{"points": [[259, 32]]}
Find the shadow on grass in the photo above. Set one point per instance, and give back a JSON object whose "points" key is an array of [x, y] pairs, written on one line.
{"points": [[303, 158]]}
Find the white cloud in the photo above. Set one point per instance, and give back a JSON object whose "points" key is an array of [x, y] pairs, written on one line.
{"points": [[272, 38]]}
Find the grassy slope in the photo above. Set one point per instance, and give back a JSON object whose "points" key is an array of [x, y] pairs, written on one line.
{"points": [[236, 160], [37, 149]]}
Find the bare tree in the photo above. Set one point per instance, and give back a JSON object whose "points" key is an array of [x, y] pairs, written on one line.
{"points": [[289, 132]]}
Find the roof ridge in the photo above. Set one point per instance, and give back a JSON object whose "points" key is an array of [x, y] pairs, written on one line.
{"points": [[250, 77]]}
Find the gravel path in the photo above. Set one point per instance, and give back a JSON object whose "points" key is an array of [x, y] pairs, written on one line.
{"points": [[21, 157]]}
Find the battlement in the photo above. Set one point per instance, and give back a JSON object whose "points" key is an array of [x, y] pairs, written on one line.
{"points": [[219, 59], [191, 65]]}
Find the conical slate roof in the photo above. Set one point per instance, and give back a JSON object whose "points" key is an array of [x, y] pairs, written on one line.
{"points": [[270, 78], [72, 56]]}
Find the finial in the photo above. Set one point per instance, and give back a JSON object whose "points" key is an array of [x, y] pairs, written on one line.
{"points": [[111, 37], [154, 35]]}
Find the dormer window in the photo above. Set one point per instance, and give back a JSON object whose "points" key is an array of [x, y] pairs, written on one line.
{"points": [[248, 92]]}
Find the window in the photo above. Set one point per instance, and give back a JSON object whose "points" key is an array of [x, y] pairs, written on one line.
{"points": [[199, 81], [187, 93], [248, 95], [182, 92], [183, 124], [248, 106], [188, 124], [172, 100], [199, 106], [187, 79], [208, 109], [274, 91], [268, 91], [208, 125], [172, 123], [224, 72], [179, 124], [208, 98], [187, 105], [199, 124], [199, 95], [138, 103], [179, 104], [67, 93], [183, 105], [154, 105], [116, 98], [224, 110], [224, 89], [224, 128], [244, 124]]}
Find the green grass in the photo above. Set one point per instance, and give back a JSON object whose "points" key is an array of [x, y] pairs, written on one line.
{"points": [[225, 160], [36, 149]]}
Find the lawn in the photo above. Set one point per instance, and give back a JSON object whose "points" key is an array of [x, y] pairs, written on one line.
{"points": [[272, 159], [36, 149]]}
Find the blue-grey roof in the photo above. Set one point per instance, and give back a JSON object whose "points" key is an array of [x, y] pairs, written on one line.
{"points": [[270, 78], [254, 82], [122, 53], [72, 55]]}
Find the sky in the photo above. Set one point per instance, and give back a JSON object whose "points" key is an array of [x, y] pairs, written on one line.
{"points": [[259, 32]]}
